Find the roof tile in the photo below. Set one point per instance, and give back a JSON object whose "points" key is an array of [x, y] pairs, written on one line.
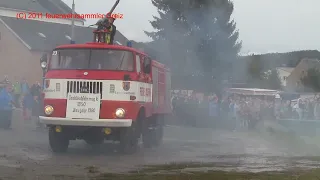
{"points": [[28, 31]]}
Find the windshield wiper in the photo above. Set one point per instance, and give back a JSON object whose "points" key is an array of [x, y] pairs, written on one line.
{"points": [[121, 62]]}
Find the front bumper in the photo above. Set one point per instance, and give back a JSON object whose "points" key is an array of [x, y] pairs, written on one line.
{"points": [[86, 122]]}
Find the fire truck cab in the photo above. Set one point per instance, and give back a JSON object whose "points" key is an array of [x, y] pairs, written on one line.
{"points": [[98, 92]]}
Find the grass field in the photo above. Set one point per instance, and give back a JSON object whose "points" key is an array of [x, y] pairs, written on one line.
{"points": [[207, 171], [179, 172]]}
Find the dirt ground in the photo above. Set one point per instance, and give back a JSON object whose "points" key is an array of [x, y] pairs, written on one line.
{"points": [[25, 153]]}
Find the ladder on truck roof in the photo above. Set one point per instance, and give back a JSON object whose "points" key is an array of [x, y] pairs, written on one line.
{"points": [[100, 35]]}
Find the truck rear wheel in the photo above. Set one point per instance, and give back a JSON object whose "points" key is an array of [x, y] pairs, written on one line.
{"points": [[152, 136], [58, 142], [129, 139], [153, 132], [159, 135]]}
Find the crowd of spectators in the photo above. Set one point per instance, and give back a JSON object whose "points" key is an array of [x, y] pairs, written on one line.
{"points": [[18, 94]]}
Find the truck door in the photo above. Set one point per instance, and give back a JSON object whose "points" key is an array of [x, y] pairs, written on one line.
{"points": [[148, 84], [161, 88], [145, 85]]}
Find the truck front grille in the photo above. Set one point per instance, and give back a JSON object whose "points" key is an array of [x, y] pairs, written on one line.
{"points": [[92, 87]]}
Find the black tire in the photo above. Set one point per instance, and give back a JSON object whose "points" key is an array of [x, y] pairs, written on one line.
{"points": [[152, 136], [148, 137], [58, 142], [153, 132], [159, 136], [129, 138]]}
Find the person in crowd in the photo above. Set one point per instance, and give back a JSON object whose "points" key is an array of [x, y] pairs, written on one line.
{"points": [[193, 105], [6, 80], [36, 89], [36, 109], [233, 107], [245, 113], [317, 109], [203, 112], [225, 110], [310, 109], [6, 107], [27, 105], [300, 108], [24, 88], [214, 110], [17, 93]]}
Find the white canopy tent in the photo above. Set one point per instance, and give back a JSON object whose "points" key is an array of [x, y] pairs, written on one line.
{"points": [[253, 91]]}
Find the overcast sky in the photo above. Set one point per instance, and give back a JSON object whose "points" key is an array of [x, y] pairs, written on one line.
{"points": [[264, 25]]}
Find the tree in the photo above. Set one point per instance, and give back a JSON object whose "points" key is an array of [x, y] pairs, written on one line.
{"points": [[198, 34], [272, 80], [255, 71], [260, 76], [311, 79]]}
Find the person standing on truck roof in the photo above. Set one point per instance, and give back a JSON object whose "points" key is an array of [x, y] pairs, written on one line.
{"points": [[112, 29]]}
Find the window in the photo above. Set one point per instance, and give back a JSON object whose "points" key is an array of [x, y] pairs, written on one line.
{"points": [[111, 60], [147, 65], [138, 66], [69, 59], [284, 78], [102, 59]]}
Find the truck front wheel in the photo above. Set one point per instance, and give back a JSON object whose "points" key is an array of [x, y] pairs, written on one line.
{"points": [[129, 139], [58, 142]]}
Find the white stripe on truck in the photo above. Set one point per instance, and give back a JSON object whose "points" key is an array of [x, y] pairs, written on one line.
{"points": [[111, 89]]}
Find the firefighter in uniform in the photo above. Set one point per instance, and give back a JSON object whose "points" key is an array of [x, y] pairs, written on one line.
{"points": [[112, 29]]}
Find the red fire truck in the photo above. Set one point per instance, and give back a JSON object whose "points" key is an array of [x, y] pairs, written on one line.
{"points": [[98, 92]]}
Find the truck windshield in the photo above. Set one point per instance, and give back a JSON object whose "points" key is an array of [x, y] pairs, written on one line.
{"points": [[102, 59]]}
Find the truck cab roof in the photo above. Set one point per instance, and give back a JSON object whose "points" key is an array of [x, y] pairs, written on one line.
{"points": [[108, 46]]}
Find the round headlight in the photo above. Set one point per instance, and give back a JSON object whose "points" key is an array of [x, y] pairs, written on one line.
{"points": [[48, 110], [120, 113], [43, 64]]}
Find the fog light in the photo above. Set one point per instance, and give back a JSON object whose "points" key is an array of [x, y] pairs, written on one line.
{"points": [[58, 129], [48, 110], [120, 113], [107, 131]]}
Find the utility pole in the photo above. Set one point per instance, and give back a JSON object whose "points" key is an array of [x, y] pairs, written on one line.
{"points": [[72, 41]]}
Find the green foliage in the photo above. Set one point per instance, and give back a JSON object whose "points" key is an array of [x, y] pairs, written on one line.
{"points": [[311, 79], [255, 67], [259, 76], [290, 59], [198, 36], [272, 80]]}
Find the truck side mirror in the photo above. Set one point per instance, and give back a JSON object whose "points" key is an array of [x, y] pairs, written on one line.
{"points": [[43, 61], [44, 58]]}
